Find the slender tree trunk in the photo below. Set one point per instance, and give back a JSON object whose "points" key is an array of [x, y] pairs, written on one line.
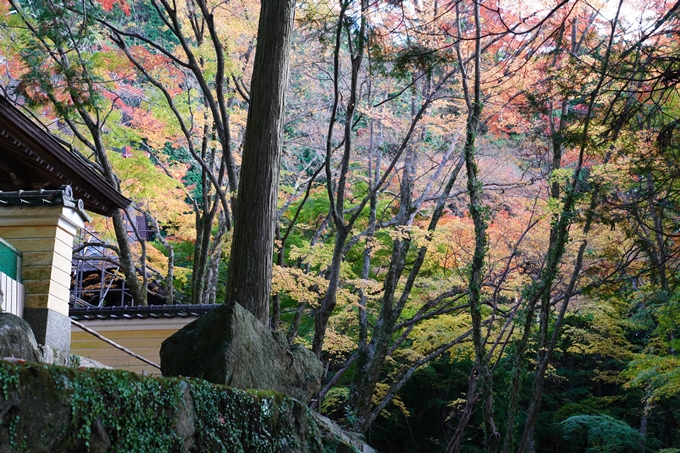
{"points": [[337, 200], [275, 317], [299, 311], [366, 264], [644, 420], [517, 377], [126, 259], [457, 440], [215, 258], [479, 217], [204, 220], [201, 255], [323, 312], [170, 277], [556, 129], [250, 266], [129, 269], [561, 233], [372, 356], [295, 325]]}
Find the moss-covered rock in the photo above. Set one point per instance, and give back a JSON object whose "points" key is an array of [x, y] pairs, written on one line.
{"points": [[47, 408]]}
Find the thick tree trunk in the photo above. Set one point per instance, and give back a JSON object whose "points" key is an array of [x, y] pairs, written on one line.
{"points": [[250, 266]]}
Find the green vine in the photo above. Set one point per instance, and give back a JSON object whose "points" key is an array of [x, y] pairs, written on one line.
{"points": [[10, 380], [136, 414]]}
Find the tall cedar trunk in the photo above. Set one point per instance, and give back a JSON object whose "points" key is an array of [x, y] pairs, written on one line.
{"points": [[250, 266]]}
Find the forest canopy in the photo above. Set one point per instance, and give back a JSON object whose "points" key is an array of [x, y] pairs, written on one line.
{"points": [[477, 223]]}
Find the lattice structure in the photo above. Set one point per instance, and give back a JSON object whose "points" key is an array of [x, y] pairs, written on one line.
{"points": [[97, 280]]}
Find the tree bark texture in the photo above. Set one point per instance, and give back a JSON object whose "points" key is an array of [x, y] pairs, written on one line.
{"points": [[250, 266]]}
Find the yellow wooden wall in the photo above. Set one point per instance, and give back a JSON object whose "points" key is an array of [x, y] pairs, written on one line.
{"points": [[143, 337]]}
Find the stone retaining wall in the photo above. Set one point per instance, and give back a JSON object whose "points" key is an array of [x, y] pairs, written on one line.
{"points": [[45, 408]]}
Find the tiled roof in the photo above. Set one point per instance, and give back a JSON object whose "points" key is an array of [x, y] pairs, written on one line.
{"points": [[140, 312], [59, 197], [31, 155]]}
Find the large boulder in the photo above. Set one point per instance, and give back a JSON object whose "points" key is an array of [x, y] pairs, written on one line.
{"points": [[229, 346], [17, 339]]}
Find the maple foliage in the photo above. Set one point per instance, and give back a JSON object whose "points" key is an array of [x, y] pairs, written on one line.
{"points": [[108, 5]]}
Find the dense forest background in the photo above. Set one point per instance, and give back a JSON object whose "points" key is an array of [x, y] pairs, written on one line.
{"points": [[478, 216]]}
